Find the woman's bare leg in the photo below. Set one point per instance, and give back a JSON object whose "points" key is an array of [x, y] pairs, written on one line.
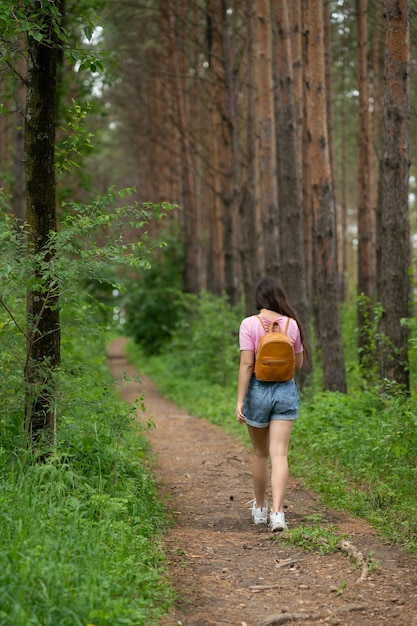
{"points": [[279, 439], [260, 455]]}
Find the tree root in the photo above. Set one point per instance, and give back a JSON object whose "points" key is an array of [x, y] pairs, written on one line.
{"points": [[283, 618], [357, 556]]}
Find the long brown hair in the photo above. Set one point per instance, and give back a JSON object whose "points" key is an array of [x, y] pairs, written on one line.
{"points": [[270, 295]]}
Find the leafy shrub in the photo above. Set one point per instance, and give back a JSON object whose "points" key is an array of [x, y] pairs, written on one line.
{"points": [[205, 341], [151, 303], [79, 533], [359, 451]]}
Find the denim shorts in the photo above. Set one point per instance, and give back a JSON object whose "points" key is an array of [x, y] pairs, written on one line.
{"points": [[270, 401]]}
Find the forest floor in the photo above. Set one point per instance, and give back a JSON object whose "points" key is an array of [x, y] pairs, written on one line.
{"points": [[225, 569]]}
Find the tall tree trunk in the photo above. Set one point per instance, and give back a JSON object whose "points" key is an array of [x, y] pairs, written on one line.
{"points": [[307, 205], [224, 146], [375, 112], [366, 218], [4, 152], [292, 264], [323, 212], [295, 27], [189, 200], [376, 122], [231, 179], [328, 64], [251, 248], [18, 200], [216, 257], [43, 330], [267, 146], [343, 248], [394, 233]]}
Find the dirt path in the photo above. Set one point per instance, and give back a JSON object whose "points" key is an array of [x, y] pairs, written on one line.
{"points": [[228, 571]]}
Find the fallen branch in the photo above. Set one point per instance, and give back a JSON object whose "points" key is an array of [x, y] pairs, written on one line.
{"points": [[357, 556]]}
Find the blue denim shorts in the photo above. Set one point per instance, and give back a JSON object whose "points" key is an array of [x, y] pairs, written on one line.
{"points": [[270, 401]]}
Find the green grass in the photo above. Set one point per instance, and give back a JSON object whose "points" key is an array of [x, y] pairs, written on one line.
{"points": [[80, 535], [357, 450], [313, 536]]}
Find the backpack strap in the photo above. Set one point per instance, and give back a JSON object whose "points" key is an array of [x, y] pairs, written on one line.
{"points": [[262, 323], [271, 328], [286, 326]]}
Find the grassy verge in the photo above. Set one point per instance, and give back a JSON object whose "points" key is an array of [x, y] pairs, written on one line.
{"points": [[80, 534], [358, 450]]}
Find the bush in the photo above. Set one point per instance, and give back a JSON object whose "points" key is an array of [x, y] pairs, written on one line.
{"points": [[205, 341], [80, 532], [151, 304]]}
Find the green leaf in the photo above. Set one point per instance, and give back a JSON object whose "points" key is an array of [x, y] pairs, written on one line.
{"points": [[36, 35], [88, 31]]}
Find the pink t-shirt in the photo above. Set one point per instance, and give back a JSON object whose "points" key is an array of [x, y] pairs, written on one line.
{"points": [[251, 331]]}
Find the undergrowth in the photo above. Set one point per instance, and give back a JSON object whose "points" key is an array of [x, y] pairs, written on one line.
{"points": [[313, 535], [80, 533]]}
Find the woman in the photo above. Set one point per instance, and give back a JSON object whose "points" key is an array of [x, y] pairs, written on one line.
{"points": [[268, 408]]}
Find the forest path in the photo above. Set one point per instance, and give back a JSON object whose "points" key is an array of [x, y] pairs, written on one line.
{"points": [[227, 570]]}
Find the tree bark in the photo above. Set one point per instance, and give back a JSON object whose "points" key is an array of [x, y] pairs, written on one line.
{"points": [[231, 179], [343, 248], [300, 87], [189, 198], [290, 195], [43, 329], [251, 248], [18, 197], [224, 148], [215, 96], [266, 132], [394, 233], [366, 217], [322, 205]]}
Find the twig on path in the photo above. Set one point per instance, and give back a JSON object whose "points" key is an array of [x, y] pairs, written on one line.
{"points": [[264, 587], [355, 554], [283, 618], [287, 562]]}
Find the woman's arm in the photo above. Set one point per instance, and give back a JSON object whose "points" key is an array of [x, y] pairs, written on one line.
{"points": [[299, 359], [247, 359]]}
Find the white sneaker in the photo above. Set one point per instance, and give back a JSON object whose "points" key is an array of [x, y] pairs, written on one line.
{"points": [[260, 515], [277, 522]]}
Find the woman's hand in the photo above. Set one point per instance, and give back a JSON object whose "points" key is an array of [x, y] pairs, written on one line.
{"points": [[247, 359], [239, 413]]}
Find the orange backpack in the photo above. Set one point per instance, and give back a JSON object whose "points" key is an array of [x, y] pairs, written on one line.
{"points": [[275, 359]]}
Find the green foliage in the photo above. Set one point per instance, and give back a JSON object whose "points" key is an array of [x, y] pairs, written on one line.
{"points": [[151, 302], [43, 22], [80, 532], [360, 455], [206, 339], [313, 536], [90, 247], [94, 240], [201, 331], [371, 337], [76, 140]]}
